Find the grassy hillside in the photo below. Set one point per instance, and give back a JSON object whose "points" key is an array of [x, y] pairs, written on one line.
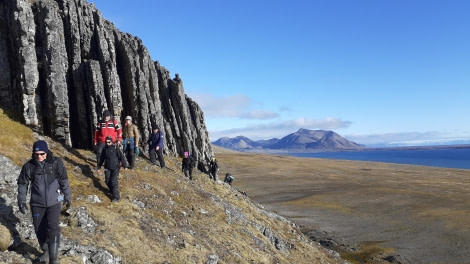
{"points": [[163, 217]]}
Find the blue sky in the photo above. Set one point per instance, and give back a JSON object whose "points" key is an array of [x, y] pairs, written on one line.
{"points": [[377, 72]]}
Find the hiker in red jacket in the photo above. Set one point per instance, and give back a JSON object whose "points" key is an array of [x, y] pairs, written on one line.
{"points": [[106, 128]]}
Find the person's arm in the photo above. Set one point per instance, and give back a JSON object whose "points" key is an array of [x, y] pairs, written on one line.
{"points": [[161, 140], [63, 181], [23, 184], [122, 158], [118, 132], [102, 158], [137, 135], [97, 133], [63, 178]]}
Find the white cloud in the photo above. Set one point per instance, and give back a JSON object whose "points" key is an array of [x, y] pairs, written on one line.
{"points": [[279, 129], [259, 114], [408, 139], [233, 106], [216, 107]]}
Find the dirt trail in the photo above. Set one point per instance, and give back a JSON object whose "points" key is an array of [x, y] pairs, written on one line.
{"points": [[370, 210]]}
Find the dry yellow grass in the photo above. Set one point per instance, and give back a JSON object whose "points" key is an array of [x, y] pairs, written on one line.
{"points": [[419, 212], [183, 221]]}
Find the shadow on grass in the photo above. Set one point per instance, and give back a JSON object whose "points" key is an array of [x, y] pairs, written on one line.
{"points": [[86, 169]]}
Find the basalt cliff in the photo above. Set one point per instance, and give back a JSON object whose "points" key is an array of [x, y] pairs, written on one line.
{"points": [[62, 64]]}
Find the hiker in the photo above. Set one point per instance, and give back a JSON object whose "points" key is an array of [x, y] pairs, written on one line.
{"points": [[47, 177], [213, 169], [130, 142], [229, 179], [156, 143], [187, 165], [113, 160], [106, 127]]}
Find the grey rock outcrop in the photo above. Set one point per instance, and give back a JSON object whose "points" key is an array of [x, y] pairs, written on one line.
{"points": [[62, 64]]}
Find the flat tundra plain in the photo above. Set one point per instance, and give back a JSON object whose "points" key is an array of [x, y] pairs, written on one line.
{"points": [[364, 210]]}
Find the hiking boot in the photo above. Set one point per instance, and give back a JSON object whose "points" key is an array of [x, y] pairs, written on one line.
{"points": [[45, 254], [53, 251]]}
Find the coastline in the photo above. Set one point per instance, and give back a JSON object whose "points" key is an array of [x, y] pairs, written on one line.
{"points": [[369, 210]]}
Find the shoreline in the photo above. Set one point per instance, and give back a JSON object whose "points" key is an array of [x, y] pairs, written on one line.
{"points": [[374, 211]]}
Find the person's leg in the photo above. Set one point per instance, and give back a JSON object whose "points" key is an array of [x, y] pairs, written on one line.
{"points": [[114, 181], [99, 149], [160, 158], [131, 155], [107, 179], [53, 231], [127, 155], [40, 228], [152, 153], [190, 173], [214, 174]]}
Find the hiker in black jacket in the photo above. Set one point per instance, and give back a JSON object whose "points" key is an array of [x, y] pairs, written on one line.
{"points": [[47, 177], [187, 165], [213, 169], [113, 160]]}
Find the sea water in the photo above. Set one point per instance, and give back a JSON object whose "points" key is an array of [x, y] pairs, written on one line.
{"points": [[458, 158]]}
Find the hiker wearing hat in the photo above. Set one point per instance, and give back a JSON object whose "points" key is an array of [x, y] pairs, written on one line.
{"points": [[130, 142], [213, 169], [229, 179], [106, 128], [187, 165], [156, 141], [46, 178], [112, 159]]}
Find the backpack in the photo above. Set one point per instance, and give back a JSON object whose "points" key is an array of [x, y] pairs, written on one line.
{"points": [[54, 168], [193, 162]]}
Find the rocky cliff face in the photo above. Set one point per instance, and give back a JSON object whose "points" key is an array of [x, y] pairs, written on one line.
{"points": [[62, 64]]}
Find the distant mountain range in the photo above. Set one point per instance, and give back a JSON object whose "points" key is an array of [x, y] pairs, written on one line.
{"points": [[303, 140]]}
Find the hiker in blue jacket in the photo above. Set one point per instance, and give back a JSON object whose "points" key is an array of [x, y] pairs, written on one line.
{"points": [[156, 143], [47, 177], [229, 179]]}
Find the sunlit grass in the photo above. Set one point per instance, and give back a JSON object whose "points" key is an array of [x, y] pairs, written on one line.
{"points": [[182, 221]]}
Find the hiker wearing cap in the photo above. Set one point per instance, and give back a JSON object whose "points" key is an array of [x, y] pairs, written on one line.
{"points": [[106, 127], [187, 165], [130, 142], [112, 159], [156, 143], [46, 178]]}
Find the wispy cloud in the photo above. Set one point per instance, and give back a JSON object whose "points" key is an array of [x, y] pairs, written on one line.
{"points": [[259, 114], [232, 106], [408, 139], [280, 128]]}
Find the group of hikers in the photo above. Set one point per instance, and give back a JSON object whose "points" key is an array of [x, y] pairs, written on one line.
{"points": [[109, 137], [46, 176]]}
